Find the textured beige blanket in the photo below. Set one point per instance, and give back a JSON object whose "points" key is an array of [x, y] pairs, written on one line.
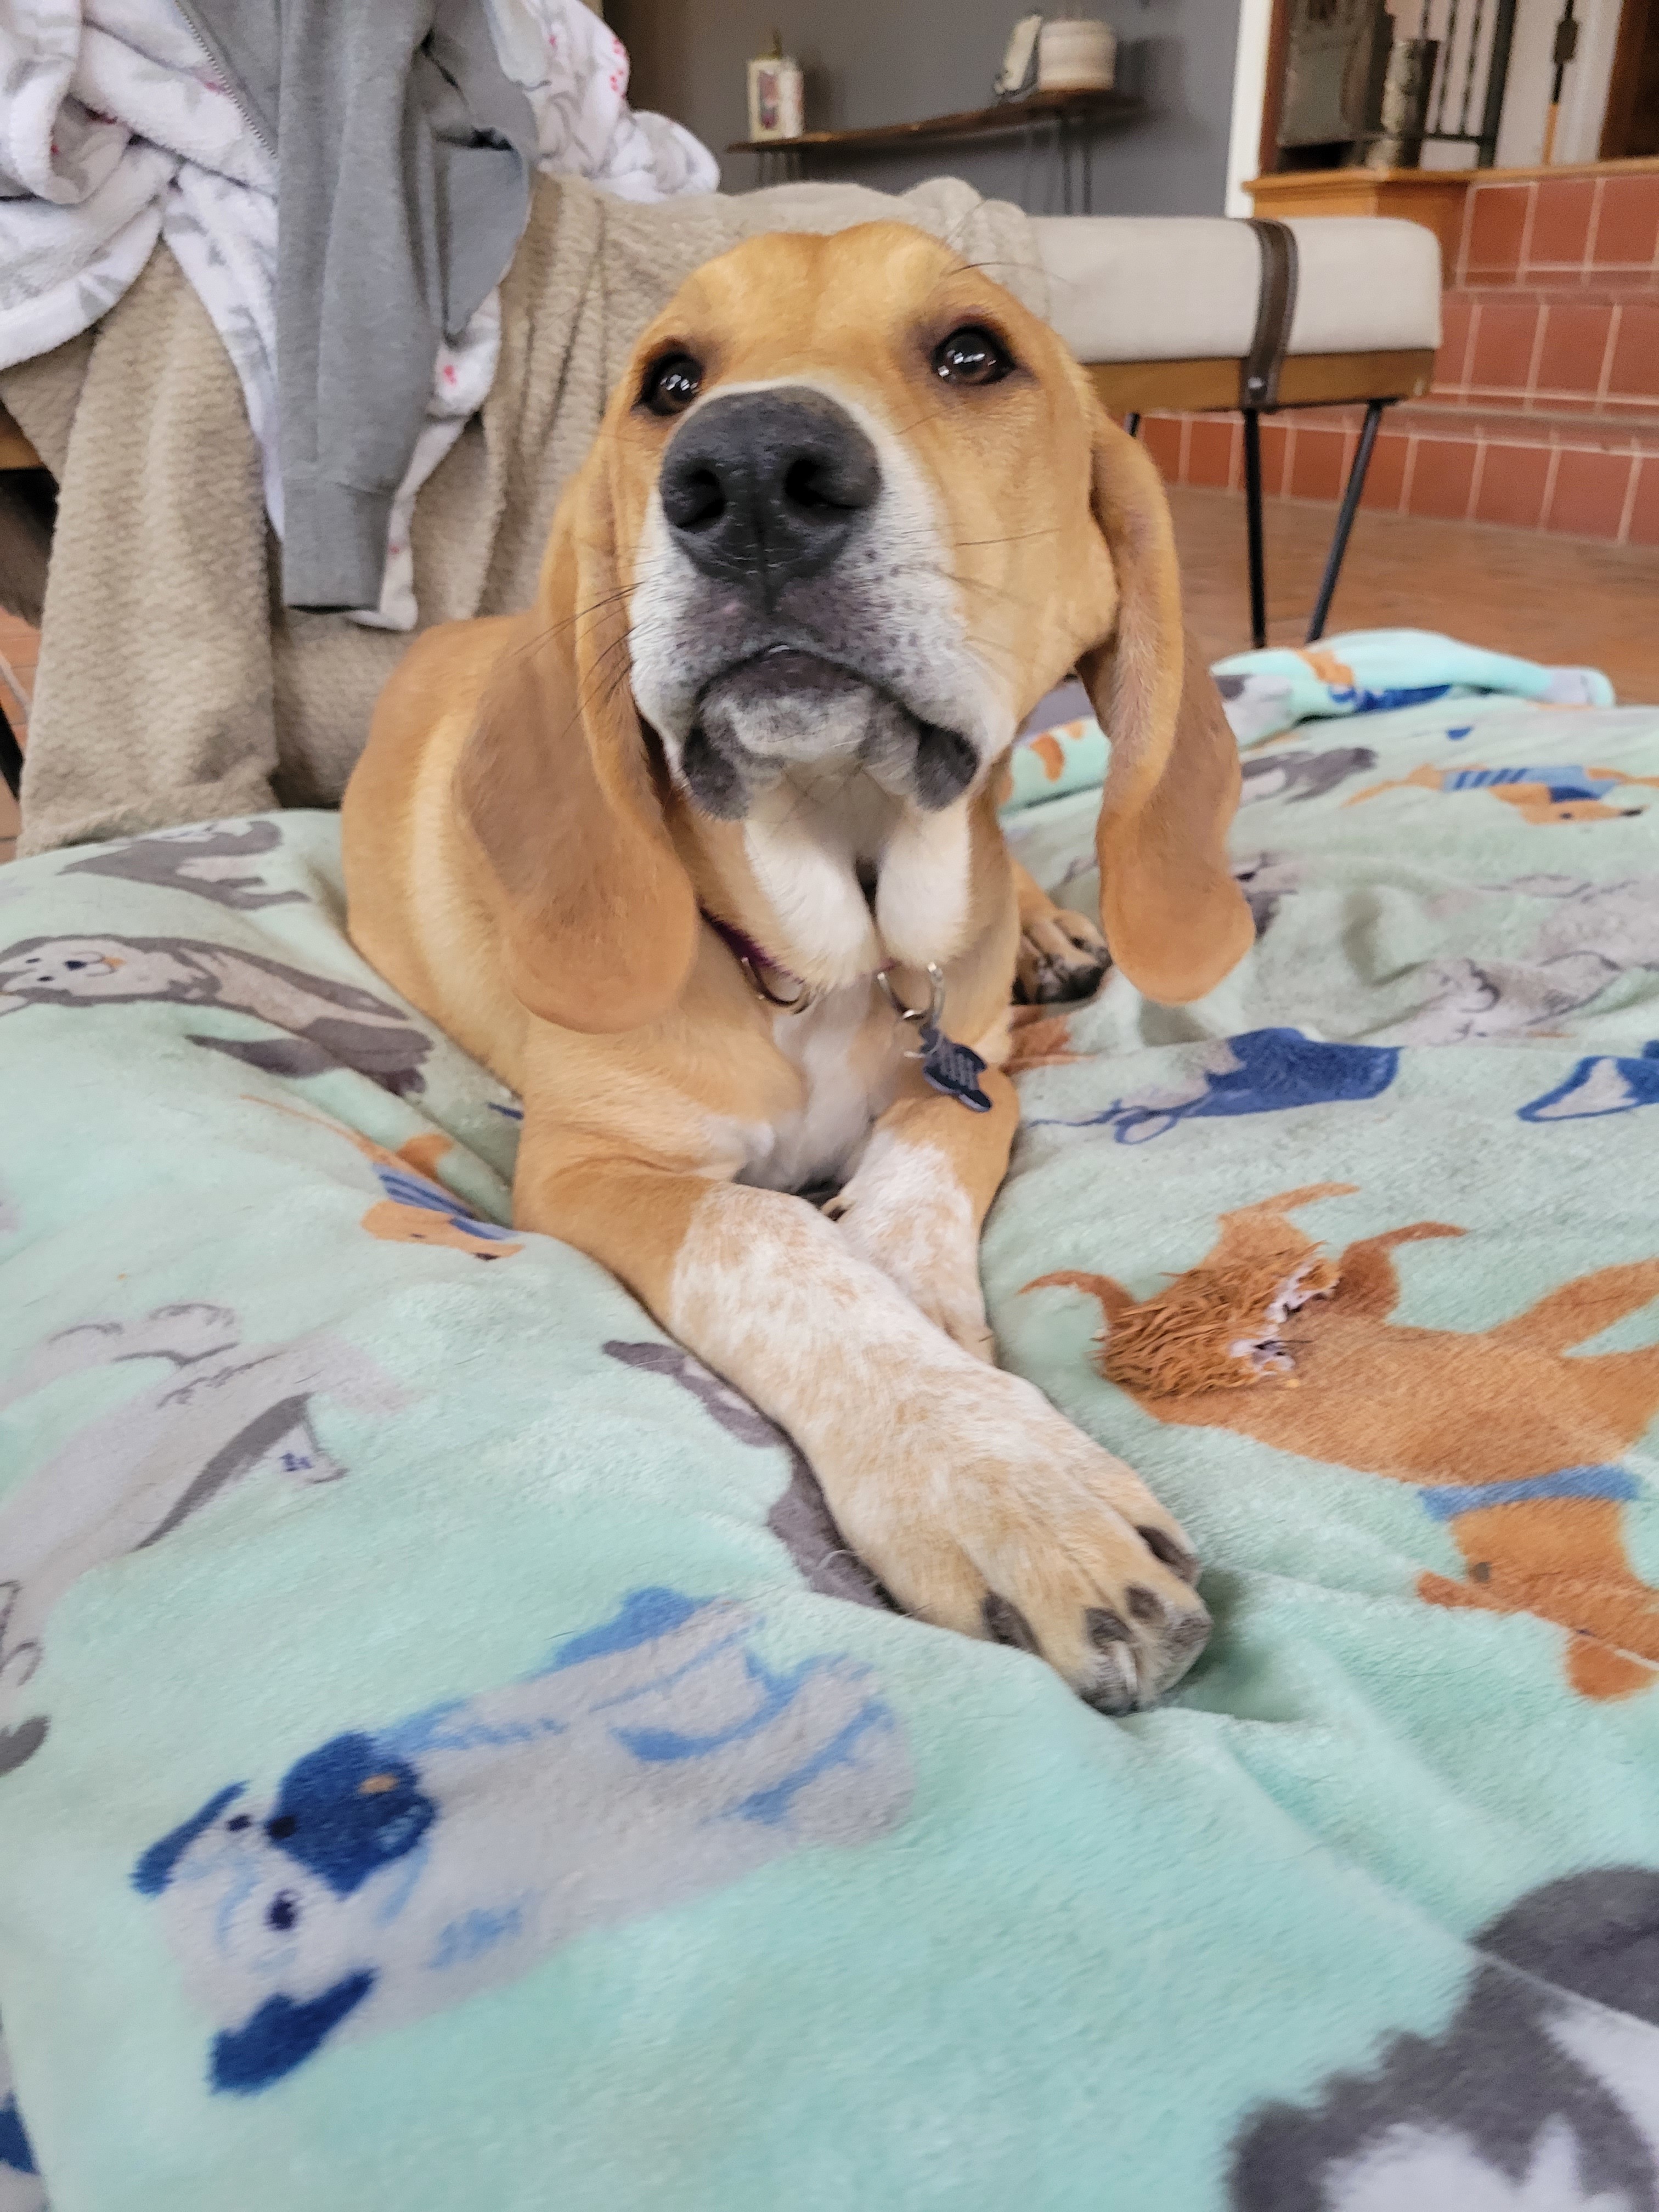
{"points": [[173, 685]]}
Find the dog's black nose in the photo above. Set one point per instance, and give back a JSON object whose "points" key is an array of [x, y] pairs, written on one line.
{"points": [[765, 487]]}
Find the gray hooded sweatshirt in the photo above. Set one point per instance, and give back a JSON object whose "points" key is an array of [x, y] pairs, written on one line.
{"points": [[405, 155]]}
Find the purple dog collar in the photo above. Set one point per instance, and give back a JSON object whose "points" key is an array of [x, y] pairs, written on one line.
{"points": [[752, 959]]}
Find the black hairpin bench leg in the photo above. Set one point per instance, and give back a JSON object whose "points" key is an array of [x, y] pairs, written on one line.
{"points": [[11, 757], [1253, 524], [1345, 513]]}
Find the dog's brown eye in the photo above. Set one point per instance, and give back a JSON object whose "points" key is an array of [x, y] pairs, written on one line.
{"points": [[672, 384], [971, 355]]}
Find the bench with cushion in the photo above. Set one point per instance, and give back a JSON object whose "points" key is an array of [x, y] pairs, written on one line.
{"points": [[1201, 312]]}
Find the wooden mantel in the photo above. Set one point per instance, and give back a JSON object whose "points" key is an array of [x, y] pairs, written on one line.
{"points": [[1433, 198]]}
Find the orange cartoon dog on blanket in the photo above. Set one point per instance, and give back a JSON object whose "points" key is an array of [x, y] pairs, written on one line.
{"points": [[1565, 791], [416, 1208], [1511, 1443]]}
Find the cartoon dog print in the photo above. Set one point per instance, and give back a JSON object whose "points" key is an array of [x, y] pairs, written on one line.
{"points": [[1475, 999], [415, 1207], [1049, 745], [1261, 703], [395, 1870], [1257, 706], [1620, 919], [1602, 1085], [224, 1413], [1593, 934], [1542, 2095], [1511, 1443], [1267, 879], [20, 2178], [1302, 776], [1039, 1038], [328, 1024], [1260, 1072], [1564, 791], [799, 1519], [217, 860]]}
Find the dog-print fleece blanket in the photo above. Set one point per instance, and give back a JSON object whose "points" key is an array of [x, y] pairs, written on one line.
{"points": [[1367, 671], [446, 1757]]}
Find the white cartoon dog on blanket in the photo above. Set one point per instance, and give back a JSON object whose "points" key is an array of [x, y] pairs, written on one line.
{"points": [[1595, 933], [394, 1871], [222, 1412]]}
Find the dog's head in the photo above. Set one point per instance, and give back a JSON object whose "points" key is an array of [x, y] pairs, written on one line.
{"points": [[852, 510], [65, 970]]}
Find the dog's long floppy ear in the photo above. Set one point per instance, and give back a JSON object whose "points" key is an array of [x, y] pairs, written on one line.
{"points": [[1174, 917], [598, 920]]}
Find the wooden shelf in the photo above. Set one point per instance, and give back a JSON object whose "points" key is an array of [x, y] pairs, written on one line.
{"points": [[972, 123]]}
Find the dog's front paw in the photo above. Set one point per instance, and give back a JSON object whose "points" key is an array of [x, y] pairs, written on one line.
{"points": [[1061, 956], [1000, 1519]]}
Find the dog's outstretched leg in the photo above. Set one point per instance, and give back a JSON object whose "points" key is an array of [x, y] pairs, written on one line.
{"points": [[976, 1504]]}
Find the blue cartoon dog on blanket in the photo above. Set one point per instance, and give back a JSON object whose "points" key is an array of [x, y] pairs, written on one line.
{"points": [[1260, 1072], [396, 1871]]}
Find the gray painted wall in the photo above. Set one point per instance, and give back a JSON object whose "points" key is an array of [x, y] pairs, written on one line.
{"points": [[893, 61]]}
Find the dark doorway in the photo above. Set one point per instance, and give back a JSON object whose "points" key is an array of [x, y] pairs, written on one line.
{"points": [[1632, 124]]}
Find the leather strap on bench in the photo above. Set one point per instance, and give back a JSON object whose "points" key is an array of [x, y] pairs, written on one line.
{"points": [[1258, 374]]}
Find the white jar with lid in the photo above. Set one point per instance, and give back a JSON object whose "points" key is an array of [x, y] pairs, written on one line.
{"points": [[1076, 54]]}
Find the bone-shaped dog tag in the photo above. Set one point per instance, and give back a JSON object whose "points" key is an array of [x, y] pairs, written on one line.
{"points": [[953, 1068]]}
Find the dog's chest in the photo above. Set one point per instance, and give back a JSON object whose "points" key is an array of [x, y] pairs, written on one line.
{"points": [[846, 1053]]}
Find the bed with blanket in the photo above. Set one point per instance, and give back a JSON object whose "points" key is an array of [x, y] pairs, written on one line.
{"points": [[447, 1759]]}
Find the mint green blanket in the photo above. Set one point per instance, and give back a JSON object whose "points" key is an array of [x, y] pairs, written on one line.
{"points": [[446, 1762]]}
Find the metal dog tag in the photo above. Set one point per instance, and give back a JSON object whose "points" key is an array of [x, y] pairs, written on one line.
{"points": [[953, 1068]]}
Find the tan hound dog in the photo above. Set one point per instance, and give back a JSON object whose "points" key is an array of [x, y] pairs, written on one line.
{"points": [[667, 851]]}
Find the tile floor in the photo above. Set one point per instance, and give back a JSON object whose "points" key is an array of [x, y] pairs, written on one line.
{"points": [[1546, 598], [1517, 591]]}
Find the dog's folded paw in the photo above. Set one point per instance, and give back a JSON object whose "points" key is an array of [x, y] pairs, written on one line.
{"points": [[1061, 956]]}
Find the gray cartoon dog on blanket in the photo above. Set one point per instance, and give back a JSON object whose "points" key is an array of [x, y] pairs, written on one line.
{"points": [[328, 1024], [1305, 773], [216, 861], [224, 1413], [395, 1870], [1540, 2095]]}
